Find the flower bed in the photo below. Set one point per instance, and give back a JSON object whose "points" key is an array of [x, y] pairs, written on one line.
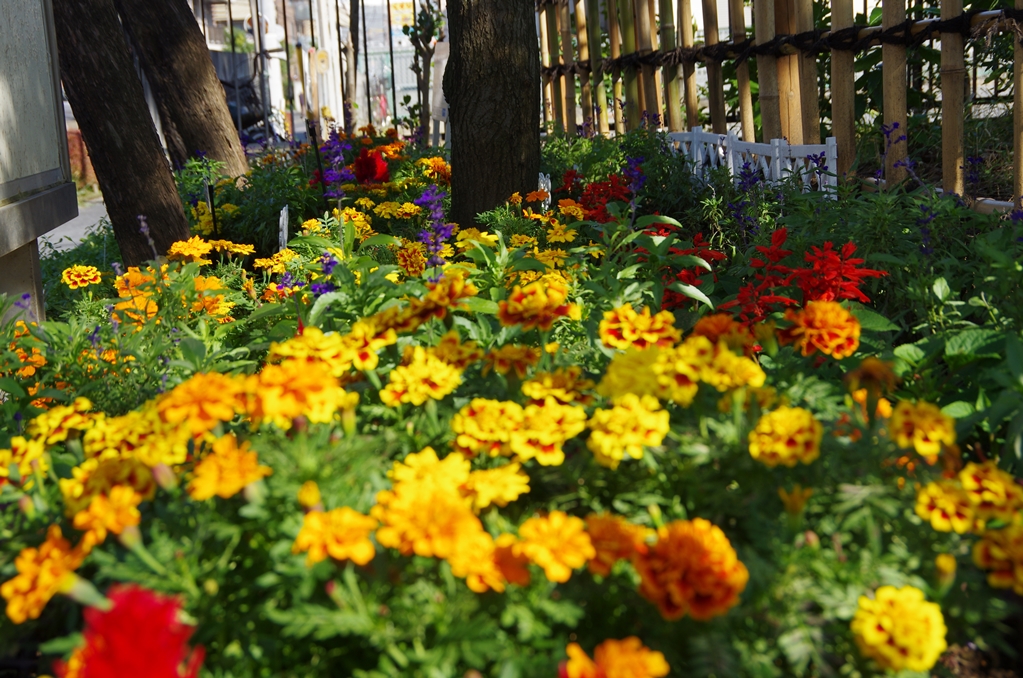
{"points": [[592, 439]]}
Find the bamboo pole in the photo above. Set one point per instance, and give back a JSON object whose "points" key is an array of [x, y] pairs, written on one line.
{"points": [[1017, 114], [808, 90], [843, 91], [552, 43], [673, 101], [685, 24], [893, 75], [596, 64], [788, 76], [953, 75], [565, 27], [643, 33], [615, 36], [655, 41], [767, 71], [737, 23], [630, 76], [583, 40], [715, 79], [547, 92]]}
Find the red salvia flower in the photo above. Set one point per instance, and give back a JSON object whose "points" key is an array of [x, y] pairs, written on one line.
{"points": [[139, 636], [570, 182], [371, 168], [598, 194], [832, 275]]}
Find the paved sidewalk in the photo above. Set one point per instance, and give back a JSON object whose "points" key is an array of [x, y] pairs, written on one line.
{"points": [[70, 234]]}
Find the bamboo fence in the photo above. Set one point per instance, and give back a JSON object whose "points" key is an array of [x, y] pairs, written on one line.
{"points": [[654, 56]]}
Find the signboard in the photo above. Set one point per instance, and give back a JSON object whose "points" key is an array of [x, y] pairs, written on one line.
{"points": [[402, 14]]}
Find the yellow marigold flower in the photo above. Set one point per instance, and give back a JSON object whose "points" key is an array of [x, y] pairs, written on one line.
{"points": [[545, 428], [278, 262], [922, 426], [628, 658], [515, 199], [579, 664], [537, 196], [613, 539], [54, 425], [423, 518], [994, 493], [136, 288], [425, 377], [523, 240], [624, 328], [795, 501], [42, 573], [899, 629], [552, 258], [450, 473], [215, 305], [634, 422], [362, 223], [498, 486], [280, 393], [309, 495], [565, 384], [511, 358], [412, 259], [342, 534], [452, 350], [556, 542], [873, 375], [824, 326], [201, 402], [486, 426], [718, 327], [25, 454], [786, 436], [80, 276], [409, 210], [113, 512], [727, 370], [436, 168], [365, 203], [883, 408], [634, 371], [387, 210], [312, 226], [691, 569], [1000, 553], [537, 306], [560, 233], [467, 236], [946, 507], [232, 247], [570, 208], [226, 471], [93, 477], [140, 434], [945, 566], [193, 249], [203, 217]]}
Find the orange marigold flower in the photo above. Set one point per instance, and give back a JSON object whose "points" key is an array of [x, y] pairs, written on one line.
{"points": [[57, 423], [512, 357], [226, 471], [537, 196], [42, 573], [719, 327], [565, 384], [80, 276], [537, 305], [342, 534], [280, 393], [452, 350], [486, 426], [1000, 553], [425, 377], [824, 326], [624, 328], [412, 259], [25, 455], [193, 249], [994, 493], [113, 512], [556, 542], [201, 402], [786, 436], [874, 375], [923, 427], [795, 501], [691, 569], [545, 428], [614, 539], [899, 629], [626, 658]]}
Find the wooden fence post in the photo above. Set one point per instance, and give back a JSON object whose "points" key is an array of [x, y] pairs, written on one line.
{"points": [[558, 100], [1017, 114], [630, 75], [843, 91], [565, 27], [685, 24], [583, 39], [894, 82], [808, 91], [545, 60], [737, 23], [596, 64], [615, 35], [655, 41], [715, 79], [953, 82], [673, 101], [788, 76], [767, 70], [643, 42]]}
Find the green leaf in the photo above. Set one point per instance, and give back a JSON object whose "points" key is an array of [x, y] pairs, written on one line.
{"points": [[480, 305], [691, 260], [628, 272], [529, 264], [691, 292], [380, 240], [11, 386], [322, 303], [872, 320], [974, 343], [958, 409], [644, 221], [61, 645], [941, 289], [265, 311], [911, 353]]}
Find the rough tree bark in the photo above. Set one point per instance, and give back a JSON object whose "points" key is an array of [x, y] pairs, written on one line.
{"points": [[352, 59], [177, 63], [492, 84], [106, 96]]}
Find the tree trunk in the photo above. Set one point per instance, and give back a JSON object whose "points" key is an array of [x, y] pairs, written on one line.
{"points": [[352, 57], [106, 96], [492, 84], [177, 63]]}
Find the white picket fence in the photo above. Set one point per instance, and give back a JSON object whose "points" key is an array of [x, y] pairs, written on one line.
{"points": [[775, 161]]}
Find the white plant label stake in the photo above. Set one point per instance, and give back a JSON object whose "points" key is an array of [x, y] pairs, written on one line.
{"points": [[283, 228]]}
